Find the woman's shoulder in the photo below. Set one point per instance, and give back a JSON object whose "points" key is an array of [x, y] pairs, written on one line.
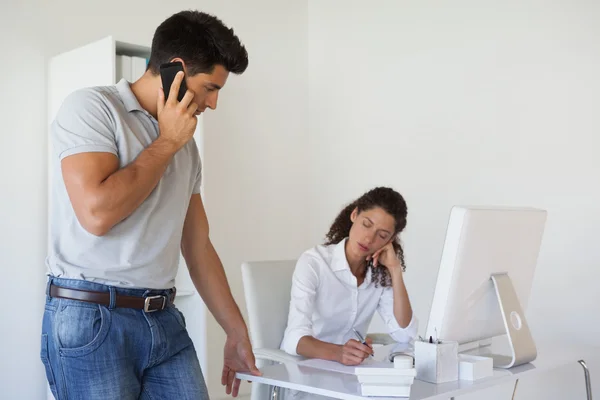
{"points": [[317, 255]]}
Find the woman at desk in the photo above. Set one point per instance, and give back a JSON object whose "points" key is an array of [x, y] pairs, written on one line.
{"points": [[338, 286]]}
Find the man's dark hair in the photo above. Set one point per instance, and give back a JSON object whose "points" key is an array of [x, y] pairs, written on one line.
{"points": [[201, 40]]}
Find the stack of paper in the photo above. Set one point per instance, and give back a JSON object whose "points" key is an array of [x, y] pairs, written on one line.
{"points": [[381, 378], [377, 376]]}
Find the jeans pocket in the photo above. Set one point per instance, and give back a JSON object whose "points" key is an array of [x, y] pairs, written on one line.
{"points": [[46, 361], [81, 329], [177, 314]]}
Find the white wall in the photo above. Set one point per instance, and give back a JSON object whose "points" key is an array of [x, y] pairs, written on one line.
{"points": [[263, 110], [22, 201], [449, 104], [467, 102]]}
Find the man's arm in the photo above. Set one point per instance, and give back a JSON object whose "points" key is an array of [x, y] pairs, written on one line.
{"points": [[103, 195], [208, 276], [207, 272]]}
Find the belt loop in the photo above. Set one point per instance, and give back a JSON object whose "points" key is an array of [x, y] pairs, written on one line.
{"points": [[113, 298], [48, 284]]}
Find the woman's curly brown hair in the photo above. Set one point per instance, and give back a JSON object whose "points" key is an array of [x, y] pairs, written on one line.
{"points": [[389, 200]]}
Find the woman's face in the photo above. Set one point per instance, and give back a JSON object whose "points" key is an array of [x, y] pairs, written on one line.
{"points": [[371, 230]]}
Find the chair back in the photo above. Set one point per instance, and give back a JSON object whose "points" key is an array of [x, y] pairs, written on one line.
{"points": [[267, 286]]}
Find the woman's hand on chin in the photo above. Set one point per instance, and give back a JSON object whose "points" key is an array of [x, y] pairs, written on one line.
{"points": [[387, 257]]}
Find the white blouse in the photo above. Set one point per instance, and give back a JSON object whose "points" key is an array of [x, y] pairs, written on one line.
{"points": [[326, 302]]}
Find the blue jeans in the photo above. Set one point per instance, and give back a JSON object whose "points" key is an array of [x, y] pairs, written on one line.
{"points": [[92, 351]]}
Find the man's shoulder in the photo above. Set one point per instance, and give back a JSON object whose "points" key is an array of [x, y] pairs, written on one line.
{"points": [[91, 99], [86, 115]]}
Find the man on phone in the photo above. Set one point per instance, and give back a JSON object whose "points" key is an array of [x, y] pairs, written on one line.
{"points": [[126, 199]]}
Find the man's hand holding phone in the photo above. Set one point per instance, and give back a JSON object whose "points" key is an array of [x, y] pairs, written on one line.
{"points": [[176, 119]]}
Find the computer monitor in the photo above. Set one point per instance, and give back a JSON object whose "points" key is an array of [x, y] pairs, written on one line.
{"points": [[485, 277]]}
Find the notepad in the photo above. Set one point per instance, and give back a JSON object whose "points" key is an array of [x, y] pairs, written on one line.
{"points": [[369, 363], [377, 376], [371, 366]]}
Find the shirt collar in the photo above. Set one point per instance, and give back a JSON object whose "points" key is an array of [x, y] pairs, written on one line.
{"points": [[129, 100], [339, 262]]}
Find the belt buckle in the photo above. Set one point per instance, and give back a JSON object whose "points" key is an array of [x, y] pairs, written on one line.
{"points": [[148, 299]]}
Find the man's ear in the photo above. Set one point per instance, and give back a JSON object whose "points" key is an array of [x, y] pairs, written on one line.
{"points": [[177, 59], [354, 215]]}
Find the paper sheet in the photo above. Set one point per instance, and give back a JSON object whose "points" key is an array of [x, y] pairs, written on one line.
{"points": [[379, 360], [346, 369]]}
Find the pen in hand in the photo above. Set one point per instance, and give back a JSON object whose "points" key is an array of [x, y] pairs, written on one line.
{"points": [[362, 340]]}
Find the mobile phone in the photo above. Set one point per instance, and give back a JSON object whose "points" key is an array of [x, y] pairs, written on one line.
{"points": [[167, 75]]}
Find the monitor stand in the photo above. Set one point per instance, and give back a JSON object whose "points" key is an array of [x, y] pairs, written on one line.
{"points": [[522, 346]]}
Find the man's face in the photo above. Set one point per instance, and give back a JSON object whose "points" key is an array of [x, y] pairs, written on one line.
{"points": [[206, 87]]}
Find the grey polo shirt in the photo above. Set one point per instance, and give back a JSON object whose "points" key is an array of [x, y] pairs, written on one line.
{"points": [[143, 250]]}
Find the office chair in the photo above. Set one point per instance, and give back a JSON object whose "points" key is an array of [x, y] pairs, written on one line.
{"points": [[267, 287]]}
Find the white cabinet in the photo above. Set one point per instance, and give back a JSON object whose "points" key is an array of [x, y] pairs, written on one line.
{"points": [[98, 64]]}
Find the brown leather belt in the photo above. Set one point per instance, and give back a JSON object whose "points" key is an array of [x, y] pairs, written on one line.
{"points": [[148, 303]]}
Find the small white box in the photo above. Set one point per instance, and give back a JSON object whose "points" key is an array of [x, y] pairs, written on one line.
{"points": [[472, 368], [436, 362]]}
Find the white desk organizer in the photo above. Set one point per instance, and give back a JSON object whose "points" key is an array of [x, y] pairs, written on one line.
{"points": [[436, 362], [472, 368]]}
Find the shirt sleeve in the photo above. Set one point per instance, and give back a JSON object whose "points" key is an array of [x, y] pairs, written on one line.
{"points": [[198, 181], [386, 311], [305, 282], [83, 123]]}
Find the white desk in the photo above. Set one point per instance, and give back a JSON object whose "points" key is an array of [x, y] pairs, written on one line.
{"points": [[345, 386]]}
